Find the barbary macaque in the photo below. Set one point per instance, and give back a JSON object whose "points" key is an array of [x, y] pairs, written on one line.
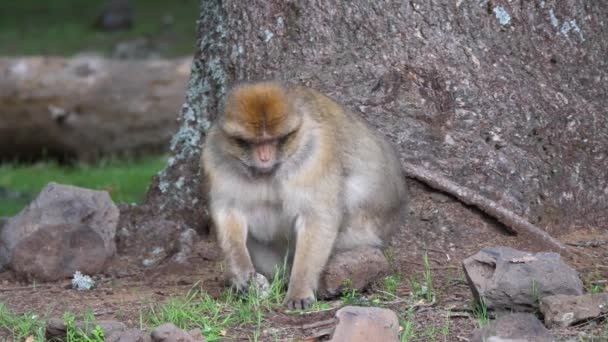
{"points": [[292, 174]]}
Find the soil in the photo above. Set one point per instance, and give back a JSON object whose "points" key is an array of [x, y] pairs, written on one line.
{"points": [[126, 289]]}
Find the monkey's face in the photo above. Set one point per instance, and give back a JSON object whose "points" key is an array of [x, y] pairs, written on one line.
{"points": [[260, 127]]}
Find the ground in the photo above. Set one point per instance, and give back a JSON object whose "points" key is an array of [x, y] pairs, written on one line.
{"points": [[143, 297]]}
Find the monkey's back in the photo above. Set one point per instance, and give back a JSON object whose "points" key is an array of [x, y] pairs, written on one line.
{"points": [[374, 188]]}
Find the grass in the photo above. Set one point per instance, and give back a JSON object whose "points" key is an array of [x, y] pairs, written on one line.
{"points": [[31, 327], [480, 312], [126, 180], [214, 317], [64, 27], [21, 326], [408, 326]]}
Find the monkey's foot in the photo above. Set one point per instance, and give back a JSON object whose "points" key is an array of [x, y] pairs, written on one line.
{"points": [[299, 303]]}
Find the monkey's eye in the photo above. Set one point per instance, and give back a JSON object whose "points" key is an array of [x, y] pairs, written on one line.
{"points": [[286, 137], [240, 141]]}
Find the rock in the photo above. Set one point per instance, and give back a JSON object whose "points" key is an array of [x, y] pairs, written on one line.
{"points": [[563, 311], [359, 267], [168, 332], [508, 279], [516, 327], [129, 335], [361, 324], [64, 230], [56, 328]]}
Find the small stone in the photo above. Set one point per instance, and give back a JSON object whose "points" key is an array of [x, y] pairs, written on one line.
{"points": [[262, 285], [168, 332], [516, 327], [358, 267], [363, 324], [56, 328], [563, 311], [129, 335], [508, 279]]}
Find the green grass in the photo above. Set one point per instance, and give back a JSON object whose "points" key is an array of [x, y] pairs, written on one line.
{"points": [[480, 313], [29, 325], [214, 317], [64, 27], [126, 180], [21, 326]]}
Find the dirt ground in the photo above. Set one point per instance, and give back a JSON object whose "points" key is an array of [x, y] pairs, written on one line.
{"points": [[435, 227]]}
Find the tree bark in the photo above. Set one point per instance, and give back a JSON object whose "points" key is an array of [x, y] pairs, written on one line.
{"points": [[87, 107], [506, 99]]}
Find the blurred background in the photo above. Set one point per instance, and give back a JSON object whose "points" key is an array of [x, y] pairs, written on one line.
{"points": [[90, 91]]}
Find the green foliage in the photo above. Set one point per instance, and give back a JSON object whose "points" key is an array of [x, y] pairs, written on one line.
{"points": [[197, 309], [391, 283], [65, 27], [21, 326], [408, 326], [348, 294], [127, 180], [74, 334], [480, 312], [428, 278]]}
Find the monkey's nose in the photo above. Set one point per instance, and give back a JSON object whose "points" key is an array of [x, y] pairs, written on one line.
{"points": [[264, 152]]}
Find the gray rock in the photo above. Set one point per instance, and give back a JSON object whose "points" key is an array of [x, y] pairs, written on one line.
{"points": [[359, 267], [168, 332], [362, 324], [516, 327], [63, 230], [56, 328], [508, 279], [129, 335], [563, 311]]}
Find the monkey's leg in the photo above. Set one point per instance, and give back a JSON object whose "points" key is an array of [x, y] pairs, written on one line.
{"points": [[314, 242], [232, 237]]}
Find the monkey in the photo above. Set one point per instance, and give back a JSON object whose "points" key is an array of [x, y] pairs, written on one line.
{"points": [[292, 175]]}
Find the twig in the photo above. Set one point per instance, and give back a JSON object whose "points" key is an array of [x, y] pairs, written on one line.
{"points": [[511, 220], [435, 267], [331, 321], [28, 287], [401, 300], [587, 321]]}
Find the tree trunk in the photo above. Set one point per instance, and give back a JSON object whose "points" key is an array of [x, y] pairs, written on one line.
{"points": [[87, 107], [504, 98]]}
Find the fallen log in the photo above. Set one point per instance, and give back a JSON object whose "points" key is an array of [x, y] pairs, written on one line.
{"points": [[87, 107]]}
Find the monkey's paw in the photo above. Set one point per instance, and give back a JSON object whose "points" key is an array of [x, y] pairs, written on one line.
{"points": [[242, 280], [299, 303]]}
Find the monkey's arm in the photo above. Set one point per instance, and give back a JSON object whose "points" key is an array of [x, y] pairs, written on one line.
{"points": [[315, 236], [232, 237]]}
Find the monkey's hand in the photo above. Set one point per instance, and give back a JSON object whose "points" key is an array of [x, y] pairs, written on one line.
{"points": [[247, 281], [299, 300], [240, 281]]}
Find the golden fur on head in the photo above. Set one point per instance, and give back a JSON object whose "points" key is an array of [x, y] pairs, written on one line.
{"points": [[260, 108]]}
